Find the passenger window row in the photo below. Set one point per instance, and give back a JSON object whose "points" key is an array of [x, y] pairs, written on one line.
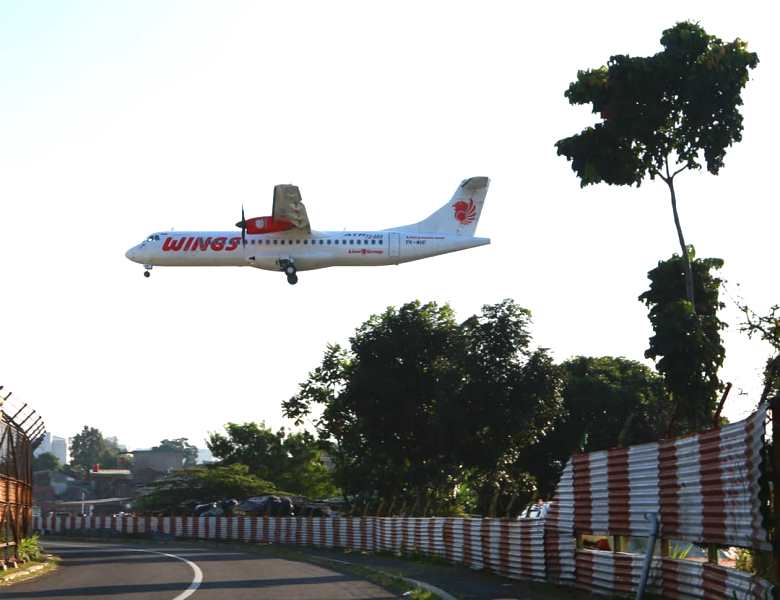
{"points": [[351, 242]]}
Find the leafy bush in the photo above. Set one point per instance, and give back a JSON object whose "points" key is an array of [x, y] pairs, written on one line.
{"points": [[745, 560], [680, 552], [30, 549]]}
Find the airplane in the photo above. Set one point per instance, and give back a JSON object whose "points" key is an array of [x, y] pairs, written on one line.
{"points": [[285, 241]]}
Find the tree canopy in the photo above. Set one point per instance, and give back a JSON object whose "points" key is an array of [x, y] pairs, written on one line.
{"points": [[89, 448], [679, 105], [184, 488], [291, 461], [686, 344], [46, 461], [767, 327], [608, 402], [420, 406]]}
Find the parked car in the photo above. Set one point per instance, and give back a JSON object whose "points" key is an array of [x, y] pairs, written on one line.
{"points": [[537, 510], [273, 506]]}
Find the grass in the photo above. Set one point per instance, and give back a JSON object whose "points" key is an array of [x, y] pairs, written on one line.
{"points": [[19, 574]]}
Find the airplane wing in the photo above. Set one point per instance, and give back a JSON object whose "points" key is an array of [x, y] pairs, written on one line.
{"points": [[288, 206]]}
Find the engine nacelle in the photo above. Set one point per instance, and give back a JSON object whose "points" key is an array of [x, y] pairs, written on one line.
{"points": [[266, 225]]}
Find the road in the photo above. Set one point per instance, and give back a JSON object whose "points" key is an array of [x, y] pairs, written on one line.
{"points": [[96, 571]]}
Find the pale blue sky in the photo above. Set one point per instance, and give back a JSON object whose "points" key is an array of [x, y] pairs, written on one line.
{"points": [[122, 118]]}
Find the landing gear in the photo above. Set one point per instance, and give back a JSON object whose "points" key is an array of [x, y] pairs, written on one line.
{"points": [[147, 273], [148, 268], [288, 267]]}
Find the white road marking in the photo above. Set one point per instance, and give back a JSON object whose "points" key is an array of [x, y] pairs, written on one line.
{"points": [[196, 580]]}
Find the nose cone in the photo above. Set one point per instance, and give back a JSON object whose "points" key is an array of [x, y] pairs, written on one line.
{"points": [[132, 254]]}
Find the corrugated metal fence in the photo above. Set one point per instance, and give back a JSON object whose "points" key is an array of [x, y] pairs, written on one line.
{"points": [[510, 548], [706, 489]]}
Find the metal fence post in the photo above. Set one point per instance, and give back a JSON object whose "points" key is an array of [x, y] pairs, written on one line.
{"points": [[653, 518]]}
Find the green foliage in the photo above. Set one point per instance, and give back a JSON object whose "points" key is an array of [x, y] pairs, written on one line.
{"points": [[46, 461], [181, 445], [679, 551], [608, 402], [291, 461], [420, 408], [767, 327], [420, 594], [184, 488], [89, 447], [30, 549], [679, 104], [744, 560], [687, 346], [681, 101]]}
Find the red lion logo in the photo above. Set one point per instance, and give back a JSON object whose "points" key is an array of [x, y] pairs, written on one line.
{"points": [[465, 212]]}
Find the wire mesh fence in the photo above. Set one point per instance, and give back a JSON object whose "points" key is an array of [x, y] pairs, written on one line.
{"points": [[21, 429]]}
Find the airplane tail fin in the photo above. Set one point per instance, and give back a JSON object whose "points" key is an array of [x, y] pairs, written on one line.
{"points": [[460, 215]]}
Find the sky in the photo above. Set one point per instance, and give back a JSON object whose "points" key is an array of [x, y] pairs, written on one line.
{"points": [[118, 119]]}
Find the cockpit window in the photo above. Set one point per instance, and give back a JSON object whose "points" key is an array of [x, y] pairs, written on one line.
{"points": [[153, 238]]}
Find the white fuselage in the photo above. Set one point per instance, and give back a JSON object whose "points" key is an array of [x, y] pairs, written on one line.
{"points": [[307, 251]]}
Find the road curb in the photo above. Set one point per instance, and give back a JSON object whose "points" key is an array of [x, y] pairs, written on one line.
{"points": [[27, 573], [440, 593]]}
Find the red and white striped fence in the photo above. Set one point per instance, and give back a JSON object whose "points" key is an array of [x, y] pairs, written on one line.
{"points": [[705, 489], [615, 573], [511, 548]]}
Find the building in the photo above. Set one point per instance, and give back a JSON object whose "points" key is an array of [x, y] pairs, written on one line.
{"points": [[58, 446], [161, 461]]}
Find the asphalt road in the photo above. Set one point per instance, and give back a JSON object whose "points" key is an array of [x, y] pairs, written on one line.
{"points": [[96, 571]]}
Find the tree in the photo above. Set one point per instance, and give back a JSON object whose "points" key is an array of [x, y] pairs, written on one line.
{"points": [[46, 461], [181, 445], [767, 327], [420, 407], [512, 397], [674, 106], [291, 461], [608, 402], [382, 406], [89, 448], [686, 344], [184, 488]]}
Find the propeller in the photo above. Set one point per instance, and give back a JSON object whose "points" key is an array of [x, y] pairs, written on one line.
{"points": [[242, 225]]}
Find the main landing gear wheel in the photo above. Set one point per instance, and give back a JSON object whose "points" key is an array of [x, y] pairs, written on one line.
{"points": [[288, 268]]}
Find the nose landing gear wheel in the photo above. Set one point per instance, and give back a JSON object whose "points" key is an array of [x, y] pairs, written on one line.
{"points": [[147, 273], [289, 270], [292, 279]]}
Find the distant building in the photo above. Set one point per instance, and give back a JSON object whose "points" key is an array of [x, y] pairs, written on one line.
{"points": [[111, 483], [162, 461], [58, 446]]}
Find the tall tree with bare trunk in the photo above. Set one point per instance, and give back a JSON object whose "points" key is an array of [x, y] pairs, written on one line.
{"points": [[661, 115]]}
